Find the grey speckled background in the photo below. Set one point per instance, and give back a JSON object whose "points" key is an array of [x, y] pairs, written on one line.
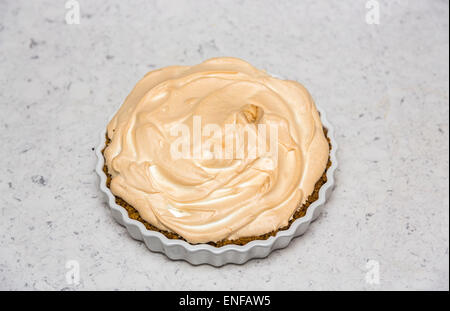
{"points": [[385, 88]]}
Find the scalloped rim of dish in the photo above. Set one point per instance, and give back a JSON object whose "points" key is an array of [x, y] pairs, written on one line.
{"points": [[197, 254]]}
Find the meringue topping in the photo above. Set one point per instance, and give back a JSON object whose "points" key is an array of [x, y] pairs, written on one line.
{"points": [[209, 200]]}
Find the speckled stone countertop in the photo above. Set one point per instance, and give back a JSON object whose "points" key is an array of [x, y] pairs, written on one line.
{"points": [[384, 87]]}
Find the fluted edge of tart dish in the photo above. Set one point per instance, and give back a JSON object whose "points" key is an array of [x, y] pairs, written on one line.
{"points": [[196, 254]]}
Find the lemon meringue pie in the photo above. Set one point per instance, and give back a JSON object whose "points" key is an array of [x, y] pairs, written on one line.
{"points": [[216, 199]]}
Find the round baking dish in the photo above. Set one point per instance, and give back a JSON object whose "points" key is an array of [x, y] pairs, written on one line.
{"points": [[197, 254]]}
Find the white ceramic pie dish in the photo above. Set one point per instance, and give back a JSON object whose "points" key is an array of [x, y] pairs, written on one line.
{"points": [[205, 253]]}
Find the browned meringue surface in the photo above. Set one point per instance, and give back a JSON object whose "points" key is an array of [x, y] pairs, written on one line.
{"points": [[216, 199]]}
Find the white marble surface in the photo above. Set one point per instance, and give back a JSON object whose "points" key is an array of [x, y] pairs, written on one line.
{"points": [[385, 88]]}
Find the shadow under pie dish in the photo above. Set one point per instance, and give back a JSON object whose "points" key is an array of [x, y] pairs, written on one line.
{"points": [[216, 211]]}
